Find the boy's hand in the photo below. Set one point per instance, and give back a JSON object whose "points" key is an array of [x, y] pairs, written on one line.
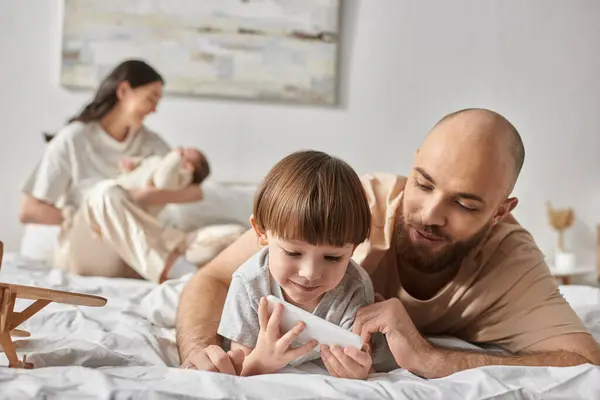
{"points": [[347, 362], [273, 351]]}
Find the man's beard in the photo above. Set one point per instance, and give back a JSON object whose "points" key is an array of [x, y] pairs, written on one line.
{"points": [[419, 256]]}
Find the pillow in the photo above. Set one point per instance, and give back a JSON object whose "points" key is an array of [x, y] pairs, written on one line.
{"points": [[223, 203], [39, 242]]}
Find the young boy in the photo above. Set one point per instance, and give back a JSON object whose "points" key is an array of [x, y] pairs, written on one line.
{"points": [[310, 213]]}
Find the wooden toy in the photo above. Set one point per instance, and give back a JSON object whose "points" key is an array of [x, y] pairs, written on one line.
{"points": [[10, 319]]}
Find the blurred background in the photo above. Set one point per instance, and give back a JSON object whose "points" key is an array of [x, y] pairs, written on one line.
{"points": [[381, 72]]}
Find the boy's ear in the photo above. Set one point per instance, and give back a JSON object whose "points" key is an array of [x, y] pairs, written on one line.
{"points": [[262, 236]]}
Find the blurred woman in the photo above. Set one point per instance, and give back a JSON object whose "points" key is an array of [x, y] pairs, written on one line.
{"points": [[104, 228]]}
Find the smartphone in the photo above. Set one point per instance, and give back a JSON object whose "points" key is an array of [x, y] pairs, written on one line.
{"points": [[317, 328]]}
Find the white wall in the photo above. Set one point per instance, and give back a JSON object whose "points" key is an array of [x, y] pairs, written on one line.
{"points": [[405, 64]]}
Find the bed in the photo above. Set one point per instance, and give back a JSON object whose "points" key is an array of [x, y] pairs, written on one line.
{"points": [[126, 350]]}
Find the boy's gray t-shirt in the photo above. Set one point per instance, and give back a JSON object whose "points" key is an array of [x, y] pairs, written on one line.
{"points": [[239, 321]]}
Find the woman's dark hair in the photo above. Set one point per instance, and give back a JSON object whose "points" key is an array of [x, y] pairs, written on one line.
{"points": [[136, 72]]}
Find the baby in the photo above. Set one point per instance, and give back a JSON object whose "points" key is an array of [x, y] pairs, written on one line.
{"points": [[179, 168], [310, 213], [176, 170]]}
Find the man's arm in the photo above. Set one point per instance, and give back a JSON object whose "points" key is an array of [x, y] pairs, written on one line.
{"points": [[413, 352], [561, 351], [203, 297]]}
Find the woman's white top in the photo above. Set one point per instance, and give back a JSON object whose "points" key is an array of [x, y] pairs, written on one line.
{"points": [[81, 155]]}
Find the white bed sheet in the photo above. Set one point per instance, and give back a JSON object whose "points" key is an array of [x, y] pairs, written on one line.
{"points": [[126, 350]]}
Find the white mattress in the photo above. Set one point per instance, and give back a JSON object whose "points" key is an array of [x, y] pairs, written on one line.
{"points": [[126, 350]]}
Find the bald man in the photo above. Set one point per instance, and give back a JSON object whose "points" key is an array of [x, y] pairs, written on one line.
{"points": [[447, 255]]}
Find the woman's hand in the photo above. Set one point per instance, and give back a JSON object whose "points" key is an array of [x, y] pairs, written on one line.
{"points": [[127, 164], [273, 351], [189, 194]]}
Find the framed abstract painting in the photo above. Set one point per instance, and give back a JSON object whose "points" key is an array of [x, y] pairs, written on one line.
{"points": [[281, 50]]}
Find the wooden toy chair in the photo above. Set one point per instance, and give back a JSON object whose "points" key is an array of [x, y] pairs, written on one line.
{"points": [[10, 320]]}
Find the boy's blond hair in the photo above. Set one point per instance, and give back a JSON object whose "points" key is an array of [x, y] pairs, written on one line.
{"points": [[313, 197]]}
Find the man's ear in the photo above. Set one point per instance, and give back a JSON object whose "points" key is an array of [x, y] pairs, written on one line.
{"points": [[505, 209], [262, 236]]}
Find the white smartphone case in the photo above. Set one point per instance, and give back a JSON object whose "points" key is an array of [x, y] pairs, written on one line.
{"points": [[316, 328]]}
